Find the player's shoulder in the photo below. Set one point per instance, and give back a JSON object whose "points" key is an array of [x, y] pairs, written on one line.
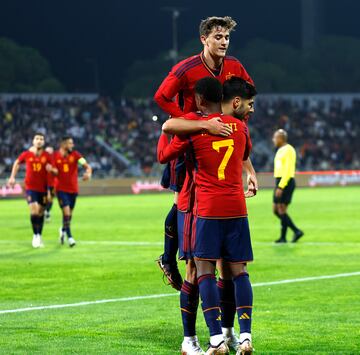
{"points": [[290, 148], [193, 115], [185, 65]]}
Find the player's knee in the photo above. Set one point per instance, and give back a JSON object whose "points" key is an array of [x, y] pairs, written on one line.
{"points": [[224, 270], [191, 272]]}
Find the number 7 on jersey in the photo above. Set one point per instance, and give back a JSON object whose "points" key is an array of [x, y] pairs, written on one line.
{"points": [[229, 144]]}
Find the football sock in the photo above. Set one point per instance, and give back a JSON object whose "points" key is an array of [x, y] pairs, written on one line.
{"points": [[66, 226], [290, 223], [227, 302], [189, 301], [171, 238], [284, 226], [210, 303], [48, 206], [34, 223], [41, 223], [244, 301]]}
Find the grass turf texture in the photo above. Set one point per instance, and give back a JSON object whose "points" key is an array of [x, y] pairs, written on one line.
{"points": [[315, 317]]}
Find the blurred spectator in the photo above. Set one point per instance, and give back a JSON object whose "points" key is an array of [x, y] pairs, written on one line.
{"points": [[325, 135]]}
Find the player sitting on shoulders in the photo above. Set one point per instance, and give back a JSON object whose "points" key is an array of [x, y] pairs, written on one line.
{"points": [[66, 160]]}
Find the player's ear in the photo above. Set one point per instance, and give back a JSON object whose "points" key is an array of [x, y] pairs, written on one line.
{"points": [[236, 102], [203, 39]]}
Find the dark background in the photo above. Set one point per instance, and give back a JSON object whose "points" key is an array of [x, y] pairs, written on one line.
{"points": [[71, 34]]}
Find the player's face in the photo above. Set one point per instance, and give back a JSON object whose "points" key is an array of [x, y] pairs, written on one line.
{"points": [[69, 145], [217, 42], [243, 107], [38, 142]]}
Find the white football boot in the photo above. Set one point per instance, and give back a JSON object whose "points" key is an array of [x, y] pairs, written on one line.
{"points": [[191, 346], [71, 242], [36, 241], [41, 243], [61, 236]]}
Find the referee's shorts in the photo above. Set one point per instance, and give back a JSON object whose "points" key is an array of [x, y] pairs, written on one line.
{"points": [[287, 192]]}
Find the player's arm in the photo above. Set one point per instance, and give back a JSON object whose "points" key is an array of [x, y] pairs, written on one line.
{"points": [[250, 178], [15, 169], [286, 175], [168, 89], [88, 169], [168, 151], [181, 126]]}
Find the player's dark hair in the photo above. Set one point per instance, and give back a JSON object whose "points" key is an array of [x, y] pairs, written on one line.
{"points": [[39, 134], [210, 89], [207, 25], [237, 86], [65, 138]]}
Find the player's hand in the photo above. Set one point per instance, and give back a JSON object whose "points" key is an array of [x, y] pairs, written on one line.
{"points": [[11, 182], [218, 128], [48, 168], [86, 176], [252, 186], [278, 192]]}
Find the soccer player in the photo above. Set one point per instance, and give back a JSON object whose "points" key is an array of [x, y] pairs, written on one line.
{"points": [[284, 173], [211, 89], [179, 85], [38, 165], [66, 160], [50, 189]]}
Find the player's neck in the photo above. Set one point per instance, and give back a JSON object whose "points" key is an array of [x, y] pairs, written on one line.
{"points": [[211, 109], [36, 151], [63, 152], [211, 61]]}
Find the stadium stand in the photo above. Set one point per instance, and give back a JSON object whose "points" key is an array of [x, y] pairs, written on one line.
{"points": [[324, 132]]}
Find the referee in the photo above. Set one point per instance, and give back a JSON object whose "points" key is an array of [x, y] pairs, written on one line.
{"points": [[284, 173]]}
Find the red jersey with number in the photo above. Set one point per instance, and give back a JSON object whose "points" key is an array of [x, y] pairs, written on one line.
{"points": [[180, 82], [36, 175], [218, 169], [67, 165]]}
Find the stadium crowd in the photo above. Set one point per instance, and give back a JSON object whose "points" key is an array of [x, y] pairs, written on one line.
{"points": [[324, 135]]}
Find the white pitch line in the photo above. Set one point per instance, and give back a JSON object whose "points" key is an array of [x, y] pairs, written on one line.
{"points": [[144, 243], [126, 299]]}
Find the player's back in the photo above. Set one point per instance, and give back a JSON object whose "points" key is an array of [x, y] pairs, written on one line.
{"points": [[218, 171]]}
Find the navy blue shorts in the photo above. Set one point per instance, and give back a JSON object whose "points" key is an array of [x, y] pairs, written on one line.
{"points": [[184, 225], [227, 239], [174, 174], [36, 196], [66, 199]]}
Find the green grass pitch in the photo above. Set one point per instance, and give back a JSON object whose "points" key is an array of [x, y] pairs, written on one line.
{"points": [[312, 317]]}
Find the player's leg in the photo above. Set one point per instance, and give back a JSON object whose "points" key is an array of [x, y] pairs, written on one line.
{"points": [[189, 302], [67, 203], [237, 252], [41, 208], [49, 204], [207, 249], [244, 304], [226, 291], [33, 203], [167, 261]]}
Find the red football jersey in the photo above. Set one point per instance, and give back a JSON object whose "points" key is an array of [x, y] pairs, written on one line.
{"points": [[186, 195], [67, 178], [218, 169], [181, 81], [36, 174]]}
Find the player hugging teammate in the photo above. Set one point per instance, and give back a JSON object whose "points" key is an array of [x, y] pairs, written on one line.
{"points": [[212, 64]]}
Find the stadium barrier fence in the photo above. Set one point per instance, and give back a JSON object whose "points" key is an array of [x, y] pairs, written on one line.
{"points": [[123, 186]]}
